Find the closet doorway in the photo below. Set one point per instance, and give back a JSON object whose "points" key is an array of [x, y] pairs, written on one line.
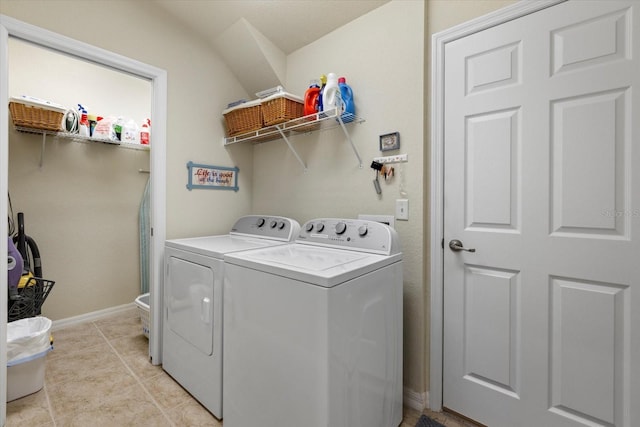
{"points": [[10, 27], [80, 197]]}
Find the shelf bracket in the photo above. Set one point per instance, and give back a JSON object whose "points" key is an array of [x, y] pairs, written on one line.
{"points": [[44, 140], [346, 134], [293, 150]]}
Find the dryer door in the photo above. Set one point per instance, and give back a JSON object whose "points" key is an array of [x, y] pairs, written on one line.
{"points": [[190, 302]]}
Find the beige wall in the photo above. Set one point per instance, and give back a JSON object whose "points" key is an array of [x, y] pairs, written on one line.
{"points": [[383, 55], [444, 14], [199, 86]]}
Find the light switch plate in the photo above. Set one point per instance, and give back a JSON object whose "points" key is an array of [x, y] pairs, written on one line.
{"points": [[402, 209]]}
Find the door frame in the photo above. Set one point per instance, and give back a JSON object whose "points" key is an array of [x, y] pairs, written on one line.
{"points": [[436, 188], [10, 27]]}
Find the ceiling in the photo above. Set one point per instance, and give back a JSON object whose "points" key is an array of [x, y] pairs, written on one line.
{"points": [[288, 24]]}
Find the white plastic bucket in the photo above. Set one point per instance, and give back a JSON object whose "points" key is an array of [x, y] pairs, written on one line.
{"points": [[142, 302], [28, 341]]}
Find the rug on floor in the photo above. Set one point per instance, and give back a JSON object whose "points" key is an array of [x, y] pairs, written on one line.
{"points": [[425, 421]]}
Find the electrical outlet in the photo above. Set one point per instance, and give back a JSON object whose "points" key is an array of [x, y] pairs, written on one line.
{"points": [[402, 209]]}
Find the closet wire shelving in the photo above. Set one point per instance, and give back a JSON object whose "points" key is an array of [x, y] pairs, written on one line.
{"points": [[323, 120], [74, 137]]}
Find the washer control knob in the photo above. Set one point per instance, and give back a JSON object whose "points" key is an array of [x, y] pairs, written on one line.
{"points": [[280, 225], [363, 230], [320, 227], [260, 222], [341, 227], [309, 227], [273, 223]]}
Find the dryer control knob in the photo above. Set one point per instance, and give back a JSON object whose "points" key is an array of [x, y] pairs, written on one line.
{"points": [[341, 227], [320, 227], [362, 230], [309, 227], [273, 224], [280, 225], [260, 222]]}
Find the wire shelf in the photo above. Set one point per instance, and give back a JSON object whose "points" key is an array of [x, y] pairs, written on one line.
{"points": [[306, 124], [319, 121]]}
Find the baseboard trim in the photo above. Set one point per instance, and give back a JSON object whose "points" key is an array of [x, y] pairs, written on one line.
{"points": [[415, 400], [89, 317]]}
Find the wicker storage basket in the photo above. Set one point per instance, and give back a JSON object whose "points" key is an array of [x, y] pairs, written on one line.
{"points": [[243, 118], [280, 108], [36, 114]]}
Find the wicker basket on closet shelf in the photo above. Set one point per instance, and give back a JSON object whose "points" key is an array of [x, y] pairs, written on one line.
{"points": [[36, 114], [281, 107], [243, 118]]}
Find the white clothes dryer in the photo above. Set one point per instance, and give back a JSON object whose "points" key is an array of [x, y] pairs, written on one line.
{"points": [[193, 287], [313, 330]]}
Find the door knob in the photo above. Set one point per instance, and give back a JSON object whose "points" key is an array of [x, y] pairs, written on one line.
{"points": [[456, 246]]}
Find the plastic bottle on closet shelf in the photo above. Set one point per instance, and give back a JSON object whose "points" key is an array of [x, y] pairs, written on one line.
{"points": [[118, 127], [323, 82], [130, 134], [145, 133], [83, 125], [347, 106], [311, 98], [331, 94], [93, 120]]}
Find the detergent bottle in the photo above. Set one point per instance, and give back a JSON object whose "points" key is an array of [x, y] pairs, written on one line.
{"points": [[130, 133], [311, 98], [117, 127], [347, 106], [93, 121], [323, 82], [331, 94], [145, 132], [83, 125]]}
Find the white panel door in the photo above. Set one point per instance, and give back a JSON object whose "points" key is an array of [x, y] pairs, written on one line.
{"points": [[542, 179]]}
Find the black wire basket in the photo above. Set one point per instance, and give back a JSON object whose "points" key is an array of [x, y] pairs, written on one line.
{"points": [[30, 299]]}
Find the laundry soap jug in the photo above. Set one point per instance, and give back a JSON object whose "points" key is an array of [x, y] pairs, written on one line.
{"points": [[117, 128], [323, 82], [331, 93], [347, 107], [311, 98], [145, 132], [93, 121], [130, 134]]}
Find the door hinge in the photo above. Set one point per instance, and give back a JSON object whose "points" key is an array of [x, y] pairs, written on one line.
{"points": [[442, 243], [151, 231]]}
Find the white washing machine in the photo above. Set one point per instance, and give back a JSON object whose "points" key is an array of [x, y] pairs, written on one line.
{"points": [[194, 272], [313, 330]]}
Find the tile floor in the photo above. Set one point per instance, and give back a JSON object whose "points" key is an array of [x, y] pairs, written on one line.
{"points": [[99, 375]]}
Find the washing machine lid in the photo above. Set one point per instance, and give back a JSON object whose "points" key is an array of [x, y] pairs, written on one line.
{"points": [[326, 267], [217, 246]]}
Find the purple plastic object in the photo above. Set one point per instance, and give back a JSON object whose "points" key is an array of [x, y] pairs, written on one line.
{"points": [[16, 264]]}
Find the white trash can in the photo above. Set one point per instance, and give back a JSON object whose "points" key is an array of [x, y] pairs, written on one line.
{"points": [[28, 342]]}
